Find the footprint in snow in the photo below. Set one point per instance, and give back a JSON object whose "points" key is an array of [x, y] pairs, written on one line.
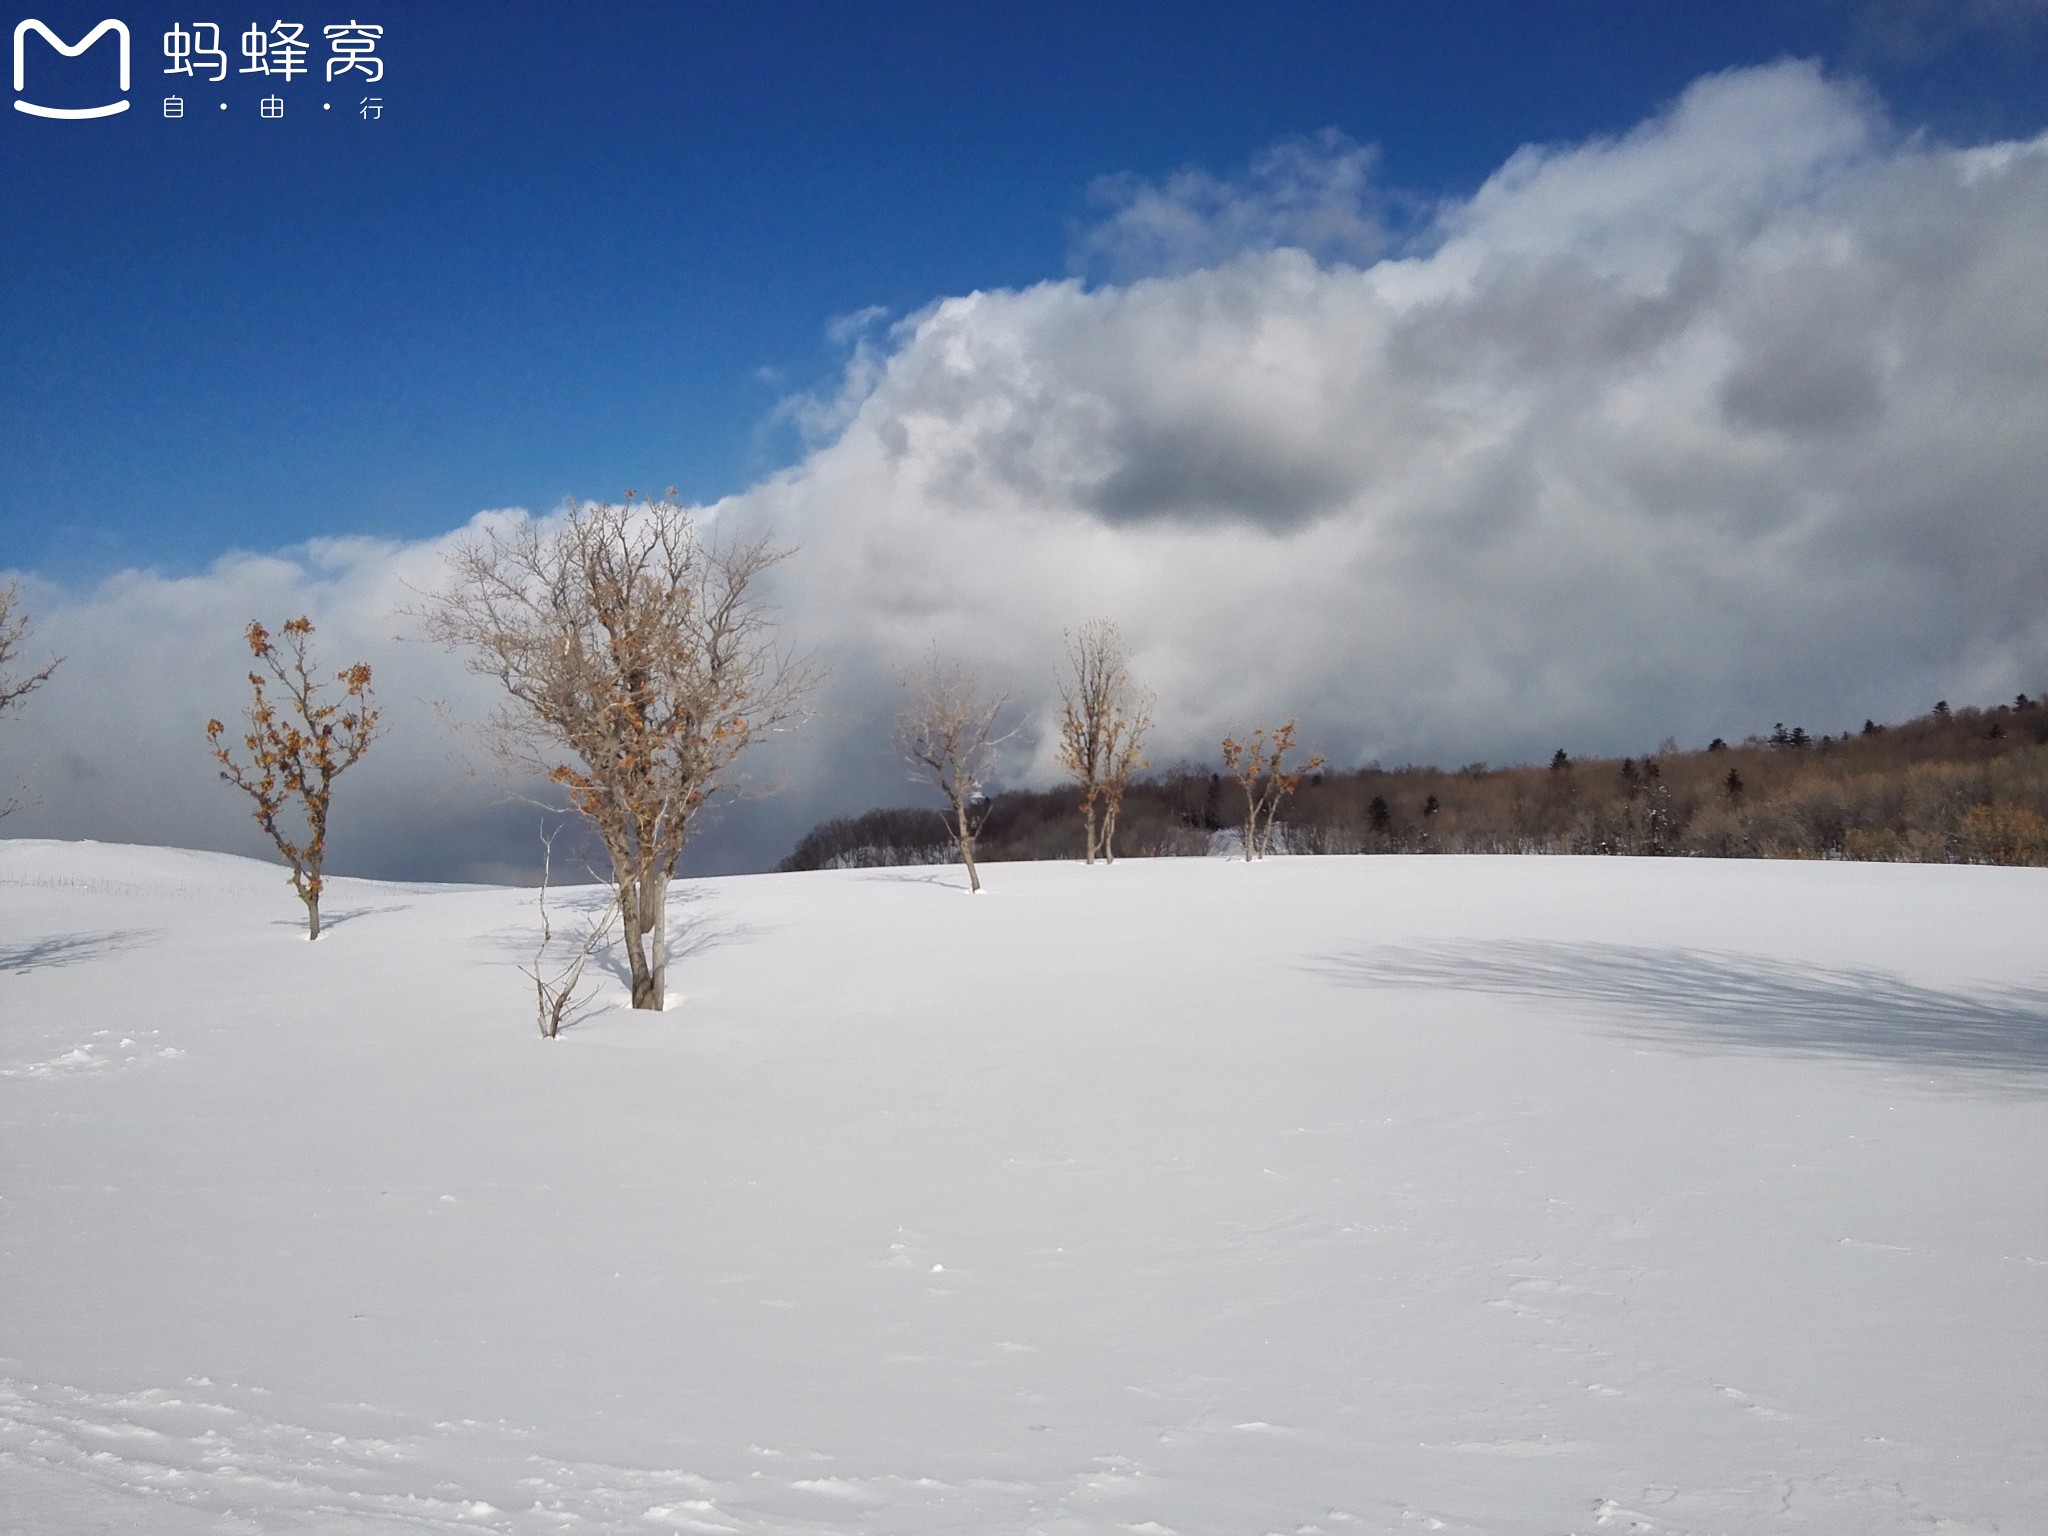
{"points": [[1751, 1405]]}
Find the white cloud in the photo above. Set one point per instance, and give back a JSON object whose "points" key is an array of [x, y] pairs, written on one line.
{"points": [[1739, 417], [114, 748], [1316, 194]]}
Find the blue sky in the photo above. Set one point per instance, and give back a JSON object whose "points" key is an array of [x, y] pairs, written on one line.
{"points": [[593, 247]]}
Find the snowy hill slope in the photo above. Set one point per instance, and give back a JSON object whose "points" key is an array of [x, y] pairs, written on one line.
{"points": [[1323, 1195]]}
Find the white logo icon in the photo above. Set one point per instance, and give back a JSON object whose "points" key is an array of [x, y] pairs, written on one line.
{"points": [[70, 51]]}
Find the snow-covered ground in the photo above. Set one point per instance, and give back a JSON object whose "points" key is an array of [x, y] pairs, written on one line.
{"points": [[1324, 1195]]}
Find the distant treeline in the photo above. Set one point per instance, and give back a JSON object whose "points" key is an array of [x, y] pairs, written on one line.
{"points": [[1958, 786]]}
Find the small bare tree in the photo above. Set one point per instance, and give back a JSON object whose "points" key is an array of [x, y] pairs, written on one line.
{"points": [[1104, 715], [946, 730], [1259, 766], [556, 982], [639, 663], [297, 749], [1125, 761], [15, 688]]}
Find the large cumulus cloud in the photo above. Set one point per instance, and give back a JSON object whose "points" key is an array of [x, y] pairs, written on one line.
{"points": [[1739, 417]]}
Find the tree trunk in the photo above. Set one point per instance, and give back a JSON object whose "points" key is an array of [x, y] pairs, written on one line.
{"points": [[1109, 834], [964, 834], [657, 931], [633, 920], [1088, 828], [646, 988], [643, 907], [306, 881]]}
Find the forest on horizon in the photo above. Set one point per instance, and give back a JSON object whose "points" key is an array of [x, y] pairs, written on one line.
{"points": [[1956, 785]]}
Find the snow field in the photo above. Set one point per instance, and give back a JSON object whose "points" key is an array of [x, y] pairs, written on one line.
{"points": [[1322, 1195]]}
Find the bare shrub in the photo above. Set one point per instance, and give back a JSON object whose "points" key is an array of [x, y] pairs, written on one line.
{"points": [[1320, 837], [557, 982], [2004, 834], [1181, 842]]}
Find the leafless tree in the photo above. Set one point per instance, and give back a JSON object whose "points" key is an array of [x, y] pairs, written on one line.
{"points": [[1125, 762], [1259, 766], [638, 663], [297, 749], [1104, 715], [556, 982], [946, 731], [14, 688]]}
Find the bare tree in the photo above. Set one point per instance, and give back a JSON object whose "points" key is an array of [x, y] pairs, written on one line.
{"points": [[556, 983], [946, 731], [14, 629], [1259, 766], [1104, 715], [1125, 761], [297, 749], [638, 663]]}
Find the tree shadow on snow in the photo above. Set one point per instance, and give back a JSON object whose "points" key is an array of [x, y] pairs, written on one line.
{"points": [[690, 933], [339, 916], [69, 949], [951, 877], [574, 908], [1738, 1002]]}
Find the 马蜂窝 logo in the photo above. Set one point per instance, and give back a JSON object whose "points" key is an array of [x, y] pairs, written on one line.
{"points": [[69, 51]]}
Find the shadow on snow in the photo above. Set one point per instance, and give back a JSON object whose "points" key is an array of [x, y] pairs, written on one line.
{"points": [[69, 949], [690, 933], [340, 916], [1736, 1002]]}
